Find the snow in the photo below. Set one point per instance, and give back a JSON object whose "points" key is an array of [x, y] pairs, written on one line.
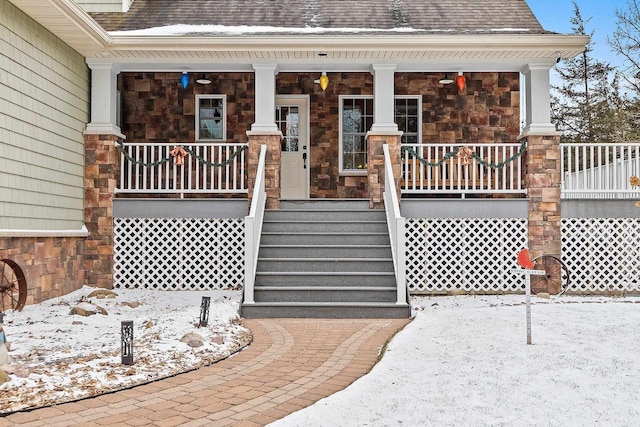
{"points": [[230, 30], [69, 356], [463, 360]]}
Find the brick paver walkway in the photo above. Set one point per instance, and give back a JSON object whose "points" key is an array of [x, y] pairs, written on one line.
{"points": [[291, 364]]}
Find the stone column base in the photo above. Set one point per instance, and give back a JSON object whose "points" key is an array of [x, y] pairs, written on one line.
{"points": [[375, 165], [272, 165]]}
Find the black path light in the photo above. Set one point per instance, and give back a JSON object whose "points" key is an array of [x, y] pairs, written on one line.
{"points": [[204, 311], [127, 342]]}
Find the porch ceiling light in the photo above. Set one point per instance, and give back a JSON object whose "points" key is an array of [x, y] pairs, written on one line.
{"points": [[184, 79], [203, 80], [323, 81], [446, 80], [461, 80]]}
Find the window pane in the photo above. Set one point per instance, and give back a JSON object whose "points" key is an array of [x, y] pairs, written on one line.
{"points": [[211, 116], [288, 121]]}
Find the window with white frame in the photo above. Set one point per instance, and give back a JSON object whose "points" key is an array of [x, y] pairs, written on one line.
{"points": [[408, 117], [211, 122], [356, 113]]}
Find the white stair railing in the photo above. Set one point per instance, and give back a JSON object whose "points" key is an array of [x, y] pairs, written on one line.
{"points": [[253, 229], [599, 171], [396, 225]]}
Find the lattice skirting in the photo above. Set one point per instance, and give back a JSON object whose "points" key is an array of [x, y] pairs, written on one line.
{"points": [[446, 256], [464, 255], [178, 254], [602, 254]]}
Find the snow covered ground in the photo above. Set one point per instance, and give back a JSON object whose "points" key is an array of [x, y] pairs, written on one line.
{"points": [[464, 361], [68, 357]]}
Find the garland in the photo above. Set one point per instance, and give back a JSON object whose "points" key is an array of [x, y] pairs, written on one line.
{"points": [[464, 154], [177, 154]]}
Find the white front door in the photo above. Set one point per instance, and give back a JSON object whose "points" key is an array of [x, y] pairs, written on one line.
{"points": [[292, 118]]}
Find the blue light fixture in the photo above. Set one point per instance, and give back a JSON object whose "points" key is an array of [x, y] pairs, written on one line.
{"points": [[184, 79]]}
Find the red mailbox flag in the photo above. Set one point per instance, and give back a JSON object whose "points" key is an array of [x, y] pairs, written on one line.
{"points": [[524, 260]]}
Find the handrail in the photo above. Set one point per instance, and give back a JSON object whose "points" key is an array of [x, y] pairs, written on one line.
{"points": [[253, 229], [599, 170], [396, 226], [187, 168]]}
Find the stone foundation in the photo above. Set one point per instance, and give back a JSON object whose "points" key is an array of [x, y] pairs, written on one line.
{"points": [[52, 266], [376, 168], [272, 165]]}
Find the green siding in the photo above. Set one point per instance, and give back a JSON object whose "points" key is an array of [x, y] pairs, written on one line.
{"points": [[101, 5], [44, 107]]}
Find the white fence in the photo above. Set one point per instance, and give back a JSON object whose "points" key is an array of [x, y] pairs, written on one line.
{"points": [[599, 171], [182, 169], [471, 169], [178, 253]]}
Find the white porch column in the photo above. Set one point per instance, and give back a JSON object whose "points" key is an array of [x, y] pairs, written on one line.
{"points": [[104, 90], [265, 110], [383, 98], [537, 100]]}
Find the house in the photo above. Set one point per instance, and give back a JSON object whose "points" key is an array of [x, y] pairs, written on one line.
{"points": [[201, 114]]}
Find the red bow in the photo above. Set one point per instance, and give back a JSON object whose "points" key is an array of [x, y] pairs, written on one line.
{"points": [[178, 153]]}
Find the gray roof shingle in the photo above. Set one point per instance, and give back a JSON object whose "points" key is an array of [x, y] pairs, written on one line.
{"points": [[436, 16]]}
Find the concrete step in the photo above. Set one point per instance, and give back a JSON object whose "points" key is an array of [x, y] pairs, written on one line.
{"points": [[325, 251], [324, 215], [321, 265], [328, 278], [325, 294], [359, 204], [324, 226], [324, 238], [333, 310]]}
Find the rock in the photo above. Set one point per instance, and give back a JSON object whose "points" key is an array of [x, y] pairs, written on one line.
{"points": [[18, 370], [149, 324], [544, 295], [217, 339], [77, 322], [132, 304], [192, 340], [4, 377], [87, 309], [195, 343], [102, 294]]}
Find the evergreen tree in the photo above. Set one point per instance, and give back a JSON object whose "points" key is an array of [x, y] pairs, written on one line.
{"points": [[580, 106]]}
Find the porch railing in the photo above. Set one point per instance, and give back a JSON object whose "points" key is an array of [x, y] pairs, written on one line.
{"points": [[396, 226], [468, 169], [253, 229], [599, 171], [194, 168]]}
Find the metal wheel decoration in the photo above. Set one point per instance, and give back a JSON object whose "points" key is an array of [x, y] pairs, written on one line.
{"points": [[555, 281], [13, 286]]}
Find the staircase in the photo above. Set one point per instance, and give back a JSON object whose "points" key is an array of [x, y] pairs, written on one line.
{"points": [[325, 259]]}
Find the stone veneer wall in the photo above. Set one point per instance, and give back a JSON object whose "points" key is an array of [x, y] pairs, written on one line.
{"points": [[52, 266], [486, 110], [155, 107]]}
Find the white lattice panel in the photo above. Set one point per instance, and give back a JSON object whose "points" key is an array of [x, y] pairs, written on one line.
{"points": [[602, 254], [176, 253], [464, 255]]}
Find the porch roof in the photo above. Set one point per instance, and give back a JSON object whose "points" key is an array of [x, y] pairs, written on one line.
{"points": [[308, 35]]}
